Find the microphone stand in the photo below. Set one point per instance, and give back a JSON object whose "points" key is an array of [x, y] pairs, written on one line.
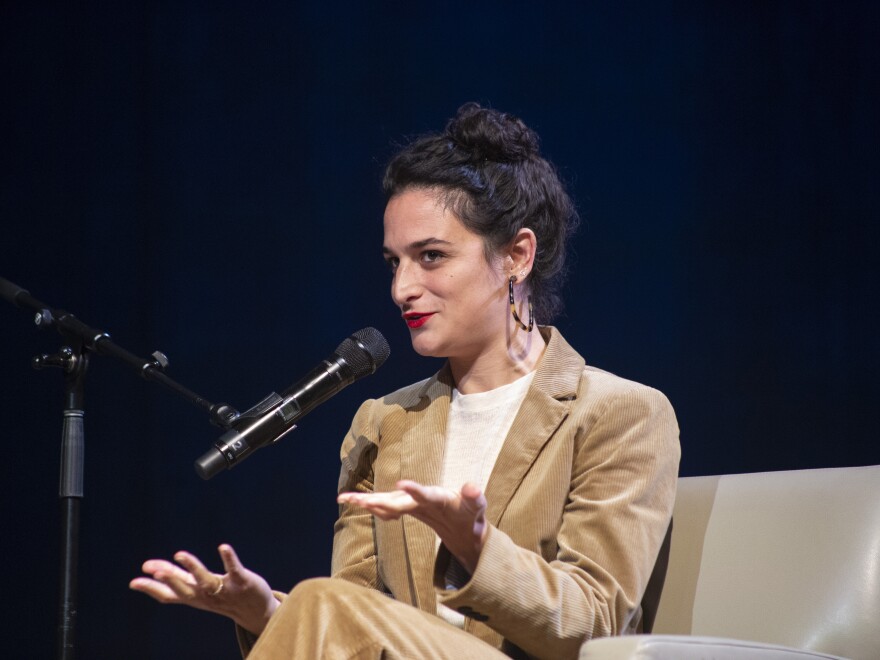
{"points": [[73, 360]]}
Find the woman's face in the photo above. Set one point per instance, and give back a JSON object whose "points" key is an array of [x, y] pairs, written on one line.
{"points": [[452, 299]]}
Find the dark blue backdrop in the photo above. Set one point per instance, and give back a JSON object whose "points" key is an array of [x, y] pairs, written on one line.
{"points": [[203, 178]]}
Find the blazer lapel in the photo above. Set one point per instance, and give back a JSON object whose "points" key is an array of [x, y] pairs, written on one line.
{"points": [[421, 461], [545, 407]]}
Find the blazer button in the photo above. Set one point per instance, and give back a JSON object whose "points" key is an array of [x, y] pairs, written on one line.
{"points": [[469, 612]]}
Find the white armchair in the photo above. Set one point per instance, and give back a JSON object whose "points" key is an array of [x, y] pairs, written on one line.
{"points": [[780, 565]]}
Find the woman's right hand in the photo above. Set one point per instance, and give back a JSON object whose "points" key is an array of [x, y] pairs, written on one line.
{"points": [[239, 594]]}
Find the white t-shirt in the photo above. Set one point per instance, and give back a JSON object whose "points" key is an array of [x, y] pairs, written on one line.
{"points": [[475, 431]]}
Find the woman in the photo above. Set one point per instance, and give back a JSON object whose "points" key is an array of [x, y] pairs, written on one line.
{"points": [[514, 503]]}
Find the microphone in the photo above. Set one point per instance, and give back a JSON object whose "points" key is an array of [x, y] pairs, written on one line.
{"points": [[276, 415]]}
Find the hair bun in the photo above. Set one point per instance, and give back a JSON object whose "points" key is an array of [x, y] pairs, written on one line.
{"points": [[491, 135]]}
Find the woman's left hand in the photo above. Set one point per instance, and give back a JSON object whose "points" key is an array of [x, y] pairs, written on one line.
{"points": [[239, 594], [459, 518]]}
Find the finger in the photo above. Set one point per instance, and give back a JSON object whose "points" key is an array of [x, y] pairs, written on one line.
{"points": [[366, 500], [413, 488], [353, 498], [155, 567], [433, 495], [390, 508], [156, 590], [473, 497], [471, 490], [185, 589], [387, 506], [231, 563], [391, 512], [395, 500], [152, 565], [426, 494], [203, 578]]}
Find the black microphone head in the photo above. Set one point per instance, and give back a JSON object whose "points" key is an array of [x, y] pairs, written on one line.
{"points": [[364, 352]]}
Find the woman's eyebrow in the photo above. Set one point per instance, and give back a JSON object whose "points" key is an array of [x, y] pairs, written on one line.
{"points": [[418, 244]]}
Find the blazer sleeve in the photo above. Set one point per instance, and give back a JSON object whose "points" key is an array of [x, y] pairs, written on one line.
{"points": [[354, 535], [619, 505]]}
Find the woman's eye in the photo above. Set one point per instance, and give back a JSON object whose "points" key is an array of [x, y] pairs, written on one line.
{"points": [[430, 256], [392, 264]]}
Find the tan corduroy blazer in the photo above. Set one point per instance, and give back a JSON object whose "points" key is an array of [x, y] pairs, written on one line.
{"points": [[579, 502]]}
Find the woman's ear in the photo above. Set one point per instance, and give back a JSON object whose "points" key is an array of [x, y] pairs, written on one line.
{"points": [[521, 253]]}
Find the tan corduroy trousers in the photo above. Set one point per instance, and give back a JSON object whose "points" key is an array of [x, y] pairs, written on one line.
{"points": [[334, 619]]}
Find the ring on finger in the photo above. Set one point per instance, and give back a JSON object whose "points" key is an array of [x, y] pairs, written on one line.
{"points": [[219, 588]]}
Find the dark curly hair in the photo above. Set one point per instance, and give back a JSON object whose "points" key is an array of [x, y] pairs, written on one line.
{"points": [[489, 172]]}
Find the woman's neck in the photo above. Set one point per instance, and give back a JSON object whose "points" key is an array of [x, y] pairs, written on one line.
{"points": [[513, 358]]}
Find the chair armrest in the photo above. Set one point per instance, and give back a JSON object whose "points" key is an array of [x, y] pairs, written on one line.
{"points": [[686, 647]]}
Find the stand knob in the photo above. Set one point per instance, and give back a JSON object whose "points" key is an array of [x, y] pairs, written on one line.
{"points": [[160, 360], [43, 318], [64, 359]]}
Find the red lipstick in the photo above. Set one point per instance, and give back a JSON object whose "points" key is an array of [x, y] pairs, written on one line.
{"points": [[414, 320]]}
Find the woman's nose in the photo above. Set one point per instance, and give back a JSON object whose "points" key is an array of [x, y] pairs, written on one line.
{"points": [[405, 285]]}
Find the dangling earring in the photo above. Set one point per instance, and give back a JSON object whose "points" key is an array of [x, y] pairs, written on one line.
{"points": [[527, 328]]}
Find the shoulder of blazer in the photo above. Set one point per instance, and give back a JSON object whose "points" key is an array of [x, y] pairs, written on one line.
{"points": [[564, 375], [599, 383]]}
